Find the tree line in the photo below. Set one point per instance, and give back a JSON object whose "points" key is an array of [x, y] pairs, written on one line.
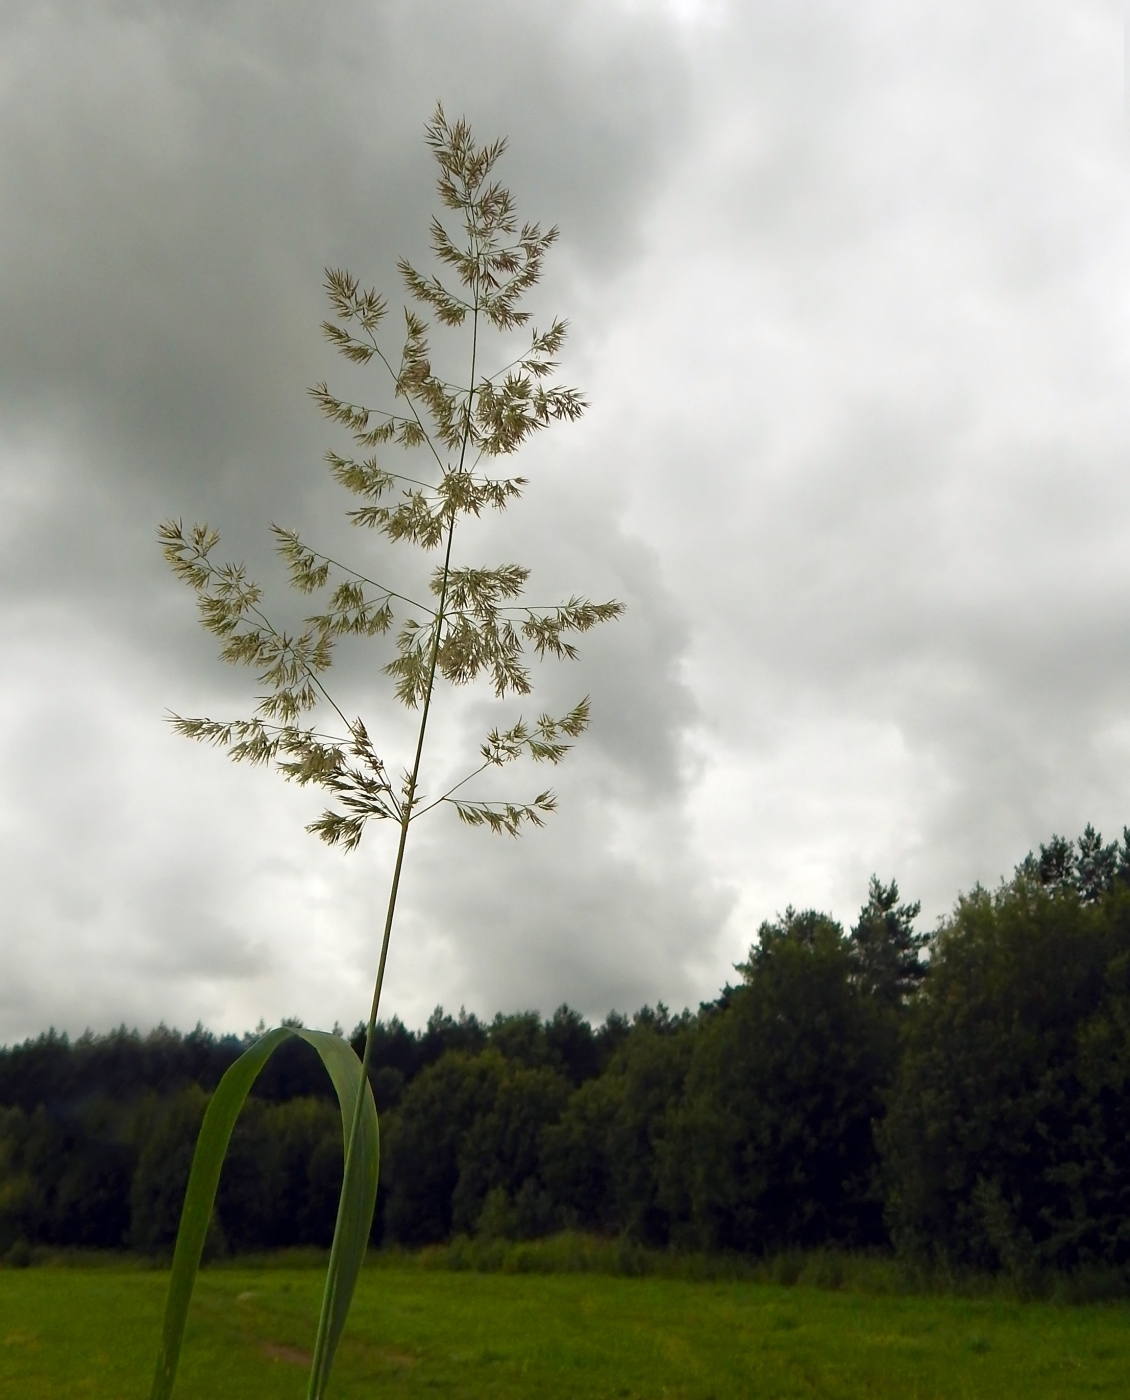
{"points": [[960, 1096]]}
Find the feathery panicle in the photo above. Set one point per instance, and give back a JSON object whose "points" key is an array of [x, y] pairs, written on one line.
{"points": [[476, 626]]}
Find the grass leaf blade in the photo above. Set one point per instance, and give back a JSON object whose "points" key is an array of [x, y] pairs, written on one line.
{"points": [[358, 1199], [359, 1191]]}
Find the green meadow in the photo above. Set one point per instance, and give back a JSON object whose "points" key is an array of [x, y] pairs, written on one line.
{"points": [[91, 1331]]}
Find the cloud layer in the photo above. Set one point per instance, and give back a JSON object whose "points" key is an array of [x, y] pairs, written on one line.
{"points": [[848, 292]]}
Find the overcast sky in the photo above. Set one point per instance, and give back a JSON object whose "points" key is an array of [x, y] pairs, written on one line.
{"points": [[849, 296]]}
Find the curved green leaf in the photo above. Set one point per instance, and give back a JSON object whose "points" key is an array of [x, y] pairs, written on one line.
{"points": [[355, 1210]]}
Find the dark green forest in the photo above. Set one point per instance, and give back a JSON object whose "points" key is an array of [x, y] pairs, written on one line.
{"points": [[959, 1096]]}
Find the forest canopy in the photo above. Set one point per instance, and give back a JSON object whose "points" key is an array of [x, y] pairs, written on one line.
{"points": [[959, 1095]]}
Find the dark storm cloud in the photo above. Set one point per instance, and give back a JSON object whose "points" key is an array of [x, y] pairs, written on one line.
{"points": [[175, 179]]}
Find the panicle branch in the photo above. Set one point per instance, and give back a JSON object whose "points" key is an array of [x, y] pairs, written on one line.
{"points": [[508, 817]]}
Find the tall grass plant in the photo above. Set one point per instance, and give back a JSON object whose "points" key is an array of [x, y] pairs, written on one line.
{"points": [[472, 623]]}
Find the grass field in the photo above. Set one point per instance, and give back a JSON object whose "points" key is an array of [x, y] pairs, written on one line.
{"points": [[86, 1331]]}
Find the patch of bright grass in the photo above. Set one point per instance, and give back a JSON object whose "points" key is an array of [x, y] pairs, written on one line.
{"points": [[418, 1331]]}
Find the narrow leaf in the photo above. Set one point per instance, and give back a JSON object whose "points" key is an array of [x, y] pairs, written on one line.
{"points": [[355, 1216]]}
